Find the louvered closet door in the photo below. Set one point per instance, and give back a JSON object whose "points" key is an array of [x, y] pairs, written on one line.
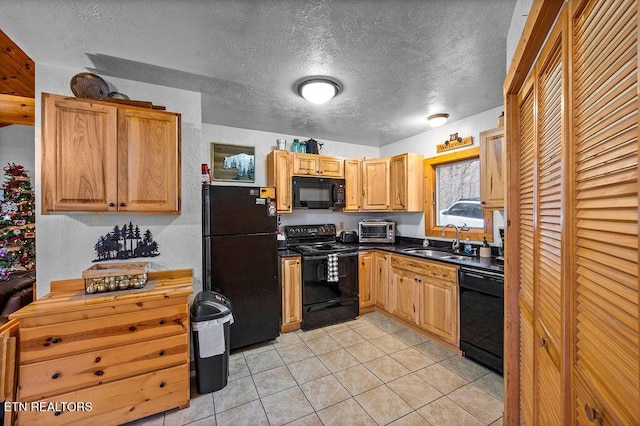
{"points": [[526, 149], [605, 294], [548, 230]]}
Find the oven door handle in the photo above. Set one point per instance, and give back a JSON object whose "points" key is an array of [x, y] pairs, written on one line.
{"points": [[324, 256]]}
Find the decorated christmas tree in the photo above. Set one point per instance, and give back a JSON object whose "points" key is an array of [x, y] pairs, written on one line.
{"points": [[17, 222]]}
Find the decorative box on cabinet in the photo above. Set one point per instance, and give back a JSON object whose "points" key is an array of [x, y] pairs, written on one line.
{"points": [[101, 157], [317, 165], [492, 169], [291, 280], [125, 355], [279, 176]]}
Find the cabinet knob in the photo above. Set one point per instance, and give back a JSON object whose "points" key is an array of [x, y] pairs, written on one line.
{"points": [[591, 413], [122, 204], [132, 328], [161, 322], [483, 202], [99, 373], [55, 376], [112, 204], [161, 353], [57, 413], [162, 384], [55, 340]]}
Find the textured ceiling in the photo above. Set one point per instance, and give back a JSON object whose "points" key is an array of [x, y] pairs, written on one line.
{"points": [[398, 60]]}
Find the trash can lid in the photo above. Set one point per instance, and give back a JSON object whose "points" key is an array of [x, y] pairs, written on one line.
{"points": [[209, 305]]}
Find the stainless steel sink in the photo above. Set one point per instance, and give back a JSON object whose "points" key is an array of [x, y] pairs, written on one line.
{"points": [[428, 252], [454, 257]]}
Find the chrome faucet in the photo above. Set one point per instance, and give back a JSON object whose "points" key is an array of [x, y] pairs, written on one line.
{"points": [[456, 242]]}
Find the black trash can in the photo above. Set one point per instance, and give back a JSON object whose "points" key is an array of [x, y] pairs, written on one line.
{"points": [[211, 317]]}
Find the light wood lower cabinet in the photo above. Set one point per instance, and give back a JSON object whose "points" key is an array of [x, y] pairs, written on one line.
{"points": [[291, 278], [105, 359], [381, 265], [404, 294], [433, 288], [365, 281]]}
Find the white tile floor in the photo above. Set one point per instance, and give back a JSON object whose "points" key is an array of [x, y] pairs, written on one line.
{"points": [[370, 371]]}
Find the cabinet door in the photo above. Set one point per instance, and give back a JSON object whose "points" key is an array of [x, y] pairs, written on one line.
{"points": [[365, 281], [291, 293], [492, 169], [381, 279], [330, 166], [79, 156], [404, 294], [279, 176], [148, 161], [438, 310], [375, 184], [305, 164], [605, 297], [353, 185], [399, 170]]}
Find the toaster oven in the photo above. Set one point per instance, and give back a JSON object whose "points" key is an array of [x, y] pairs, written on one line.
{"points": [[377, 231]]}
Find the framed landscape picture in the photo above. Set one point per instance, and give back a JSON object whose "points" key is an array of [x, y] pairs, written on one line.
{"points": [[233, 163]]}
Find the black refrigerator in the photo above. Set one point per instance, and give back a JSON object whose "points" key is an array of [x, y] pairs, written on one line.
{"points": [[240, 258]]}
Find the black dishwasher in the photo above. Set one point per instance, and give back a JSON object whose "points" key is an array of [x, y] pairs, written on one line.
{"points": [[482, 317]]}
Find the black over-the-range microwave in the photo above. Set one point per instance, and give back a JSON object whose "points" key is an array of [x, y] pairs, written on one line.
{"points": [[317, 193]]}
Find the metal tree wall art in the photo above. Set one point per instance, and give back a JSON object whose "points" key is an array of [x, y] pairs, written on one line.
{"points": [[126, 242]]}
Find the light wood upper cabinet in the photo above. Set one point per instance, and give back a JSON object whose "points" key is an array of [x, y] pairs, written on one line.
{"points": [[492, 169], [353, 185], [97, 157], [279, 176], [407, 182], [291, 275], [376, 186], [365, 280], [317, 165]]}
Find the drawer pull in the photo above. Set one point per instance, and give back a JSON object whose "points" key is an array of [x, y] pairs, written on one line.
{"points": [[132, 328], [161, 353], [55, 376], [161, 321], [98, 359], [161, 384], [99, 373]]}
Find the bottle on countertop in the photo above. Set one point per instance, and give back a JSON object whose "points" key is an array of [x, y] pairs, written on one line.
{"points": [[467, 247]]}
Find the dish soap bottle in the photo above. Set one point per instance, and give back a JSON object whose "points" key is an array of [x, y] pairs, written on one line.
{"points": [[485, 250], [467, 247]]}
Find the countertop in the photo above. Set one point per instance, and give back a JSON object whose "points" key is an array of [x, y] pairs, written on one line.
{"points": [[486, 263]]}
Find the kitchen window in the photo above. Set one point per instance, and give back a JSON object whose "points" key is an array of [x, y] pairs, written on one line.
{"points": [[453, 196]]}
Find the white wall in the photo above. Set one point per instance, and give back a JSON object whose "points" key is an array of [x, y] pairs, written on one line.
{"points": [[17, 146], [65, 242], [265, 142], [518, 20], [412, 224]]}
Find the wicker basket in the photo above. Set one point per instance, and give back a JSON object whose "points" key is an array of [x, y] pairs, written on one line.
{"points": [[106, 277]]}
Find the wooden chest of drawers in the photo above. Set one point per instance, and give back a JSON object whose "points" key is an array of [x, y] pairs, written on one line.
{"points": [[104, 359]]}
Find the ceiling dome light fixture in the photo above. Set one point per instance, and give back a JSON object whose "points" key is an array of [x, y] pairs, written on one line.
{"points": [[318, 90], [436, 120]]}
